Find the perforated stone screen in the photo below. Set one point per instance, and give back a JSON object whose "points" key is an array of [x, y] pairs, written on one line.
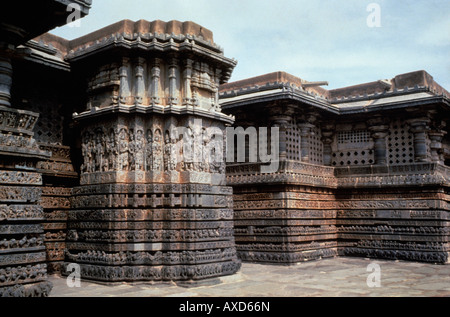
{"points": [[49, 128], [293, 142], [354, 137], [400, 144], [316, 147], [354, 147]]}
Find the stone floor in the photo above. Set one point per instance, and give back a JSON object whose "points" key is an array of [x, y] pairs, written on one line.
{"points": [[336, 277]]}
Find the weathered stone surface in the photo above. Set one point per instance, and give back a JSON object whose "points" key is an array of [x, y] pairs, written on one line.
{"points": [[348, 182], [152, 202], [119, 165], [23, 271]]}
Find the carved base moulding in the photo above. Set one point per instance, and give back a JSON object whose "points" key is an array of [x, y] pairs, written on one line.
{"points": [[157, 273], [287, 257], [39, 289], [395, 254]]}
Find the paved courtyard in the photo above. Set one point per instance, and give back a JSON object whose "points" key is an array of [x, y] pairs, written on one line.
{"points": [[335, 277]]}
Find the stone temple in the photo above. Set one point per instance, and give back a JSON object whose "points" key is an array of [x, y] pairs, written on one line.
{"points": [[361, 172], [115, 157]]}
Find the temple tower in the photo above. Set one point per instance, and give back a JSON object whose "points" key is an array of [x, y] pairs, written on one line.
{"points": [[153, 202]]}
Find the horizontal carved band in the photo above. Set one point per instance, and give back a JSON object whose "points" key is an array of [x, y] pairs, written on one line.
{"points": [[287, 247], [56, 215], [56, 191], [21, 212], [20, 178], [40, 289], [19, 194], [153, 189], [134, 200], [400, 214], [393, 237], [153, 177], [156, 258], [58, 168], [21, 229], [283, 231], [433, 257], [136, 236], [282, 257], [161, 273], [151, 215], [59, 152], [22, 274], [287, 239], [419, 229], [135, 247], [55, 236], [342, 204], [25, 244], [49, 202], [157, 225], [355, 177], [307, 194], [22, 258]]}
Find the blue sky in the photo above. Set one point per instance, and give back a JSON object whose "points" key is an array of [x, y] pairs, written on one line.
{"points": [[314, 40]]}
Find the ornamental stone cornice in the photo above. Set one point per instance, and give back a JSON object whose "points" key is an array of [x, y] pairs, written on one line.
{"points": [[173, 38], [153, 109]]}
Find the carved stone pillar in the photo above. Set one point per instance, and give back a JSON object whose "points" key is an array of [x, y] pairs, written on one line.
{"points": [[436, 135], [218, 75], [282, 122], [436, 146], [420, 127], [155, 77], [140, 85], [281, 116], [306, 131], [379, 131], [124, 90], [173, 69], [328, 131], [187, 75], [5, 80]]}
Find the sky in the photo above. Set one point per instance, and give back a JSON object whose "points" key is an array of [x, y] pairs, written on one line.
{"points": [[344, 42]]}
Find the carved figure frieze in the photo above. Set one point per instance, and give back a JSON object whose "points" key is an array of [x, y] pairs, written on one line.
{"points": [[21, 274], [121, 149], [25, 242]]}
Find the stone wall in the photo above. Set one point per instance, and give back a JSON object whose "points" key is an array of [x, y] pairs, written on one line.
{"points": [[285, 217], [23, 268], [351, 181], [53, 135], [400, 212]]}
